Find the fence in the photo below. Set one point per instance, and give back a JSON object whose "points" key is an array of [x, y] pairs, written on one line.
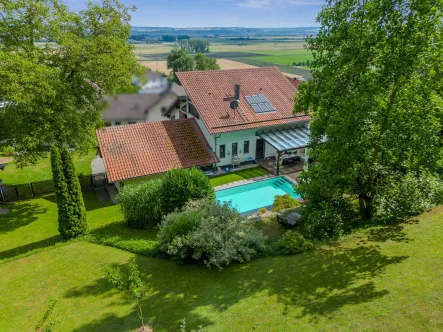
{"points": [[34, 189]]}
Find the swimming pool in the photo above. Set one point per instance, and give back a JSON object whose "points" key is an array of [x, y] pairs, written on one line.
{"points": [[249, 198]]}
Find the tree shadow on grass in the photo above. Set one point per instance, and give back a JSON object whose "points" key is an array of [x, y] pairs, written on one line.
{"points": [[20, 214], [29, 247], [393, 233], [311, 285], [89, 198]]}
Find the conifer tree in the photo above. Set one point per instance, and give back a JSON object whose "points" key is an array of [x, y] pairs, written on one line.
{"points": [[61, 192], [78, 224]]}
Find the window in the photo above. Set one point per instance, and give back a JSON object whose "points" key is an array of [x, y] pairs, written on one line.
{"points": [[246, 147], [117, 123], [222, 151], [234, 149], [132, 122]]}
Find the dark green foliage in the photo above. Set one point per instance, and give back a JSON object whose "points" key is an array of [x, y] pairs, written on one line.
{"points": [[76, 206], [182, 185], [211, 233], [61, 192], [285, 202], [293, 243], [71, 210], [169, 38], [327, 220], [141, 204], [376, 96], [180, 60]]}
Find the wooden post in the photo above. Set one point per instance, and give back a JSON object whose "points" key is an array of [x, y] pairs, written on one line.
{"points": [[278, 162]]}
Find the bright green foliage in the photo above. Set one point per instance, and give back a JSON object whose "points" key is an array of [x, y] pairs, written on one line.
{"points": [[47, 323], [214, 234], [180, 186], [286, 201], [130, 282], [141, 204], [78, 224], [55, 67], [376, 96], [293, 243], [180, 60], [8, 151], [202, 62]]}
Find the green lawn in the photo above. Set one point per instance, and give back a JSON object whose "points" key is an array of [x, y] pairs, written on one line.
{"points": [[238, 175], [42, 170], [386, 278]]}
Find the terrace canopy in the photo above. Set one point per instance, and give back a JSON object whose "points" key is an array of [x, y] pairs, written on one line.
{"points": [[286, 139]]}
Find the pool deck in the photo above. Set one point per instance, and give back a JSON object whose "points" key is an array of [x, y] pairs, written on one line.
{"points": [[251, 180]]}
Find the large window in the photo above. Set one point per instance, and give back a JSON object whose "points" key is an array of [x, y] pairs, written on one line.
{"points": [[234, 149], [222, 153], [246, 147]]}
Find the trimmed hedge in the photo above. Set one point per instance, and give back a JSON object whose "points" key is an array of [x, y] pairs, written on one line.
{"points": [[141, 204], [145, 204], [183, 185]]}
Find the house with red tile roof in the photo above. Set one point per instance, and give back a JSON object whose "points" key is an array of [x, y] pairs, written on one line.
{"points": [[139, 150], [246, 114]]}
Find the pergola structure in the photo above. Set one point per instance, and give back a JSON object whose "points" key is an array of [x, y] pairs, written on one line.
{"points": [[286, 139]]}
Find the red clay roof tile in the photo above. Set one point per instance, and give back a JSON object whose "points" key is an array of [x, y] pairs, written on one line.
{"points": [[211, 92], [154, 147]]}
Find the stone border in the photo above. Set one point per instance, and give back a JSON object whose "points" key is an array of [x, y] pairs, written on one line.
{"points": [[243, 182]]}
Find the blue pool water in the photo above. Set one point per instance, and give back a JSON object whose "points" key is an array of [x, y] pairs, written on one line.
{"points": [[249, 198]]}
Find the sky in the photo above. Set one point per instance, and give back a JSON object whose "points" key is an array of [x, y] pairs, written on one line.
{"points": [[221, 13]]}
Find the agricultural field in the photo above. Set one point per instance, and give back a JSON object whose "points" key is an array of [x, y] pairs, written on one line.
{"points": [[238, 54]]}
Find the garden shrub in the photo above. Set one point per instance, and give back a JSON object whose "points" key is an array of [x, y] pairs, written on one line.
{"points": [[8, 151], [406, 195], [285, 202], [141, 204], [211, 233], [262, 211], [183, 185], [293, 243], [328, 219]]}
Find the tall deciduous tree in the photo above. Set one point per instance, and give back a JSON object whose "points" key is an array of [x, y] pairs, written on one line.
{"points": [[202, 62], [376, 96], [55, 67]]}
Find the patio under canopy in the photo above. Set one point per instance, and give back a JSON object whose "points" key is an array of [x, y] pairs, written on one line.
{"points": [[286, 139]]}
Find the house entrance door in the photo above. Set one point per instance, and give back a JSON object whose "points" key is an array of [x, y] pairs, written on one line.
{"points": [[260, 149]]}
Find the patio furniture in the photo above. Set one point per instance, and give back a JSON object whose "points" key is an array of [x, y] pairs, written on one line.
{"points": [[235, 161], [288, 220]]}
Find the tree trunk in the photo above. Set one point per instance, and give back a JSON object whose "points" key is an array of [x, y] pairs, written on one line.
{"points": [[365, 206]]}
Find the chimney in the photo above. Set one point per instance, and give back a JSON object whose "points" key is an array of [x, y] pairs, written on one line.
{"points": [[237, 92]]}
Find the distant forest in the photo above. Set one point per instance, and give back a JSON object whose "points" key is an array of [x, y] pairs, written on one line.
{"points": [[159, 35]]}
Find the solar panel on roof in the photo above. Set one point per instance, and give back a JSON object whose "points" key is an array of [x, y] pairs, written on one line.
{"points": [[263, 107], [269, 107], [249, 100], [256, 108], [260, 103], [256, 99], [263, 98]]}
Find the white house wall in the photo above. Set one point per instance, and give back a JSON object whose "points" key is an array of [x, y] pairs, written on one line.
{"points": [[240, 137], [156, 113]]}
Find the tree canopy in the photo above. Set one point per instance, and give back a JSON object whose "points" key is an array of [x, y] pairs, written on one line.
{"points": [[376, 97], [179, 60], [55, 67]]}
